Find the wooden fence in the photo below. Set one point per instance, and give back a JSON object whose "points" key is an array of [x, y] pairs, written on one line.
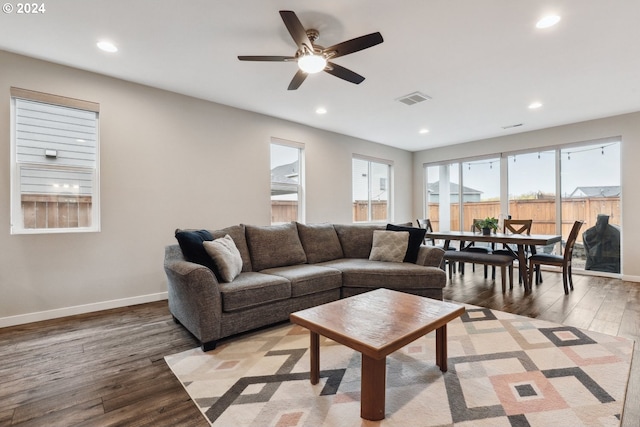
{"points": [[50, 211], [378, 210], [284, 211], [542, 211]]}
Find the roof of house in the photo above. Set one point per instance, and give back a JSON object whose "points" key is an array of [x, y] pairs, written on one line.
{"points": [[454, 188], [597, 191], [285, 173]]}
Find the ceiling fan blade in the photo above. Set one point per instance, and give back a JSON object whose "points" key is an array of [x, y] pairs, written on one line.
{"points": [[267, 58], [343, 73], [297, 31], [354, 45], [297, 80]]}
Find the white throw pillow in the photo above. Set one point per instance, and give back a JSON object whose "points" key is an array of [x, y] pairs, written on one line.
{"points": [[225, 256], [389, 246]]}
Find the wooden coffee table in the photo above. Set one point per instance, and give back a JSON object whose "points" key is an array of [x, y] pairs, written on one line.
{"points": [[376, 324]]}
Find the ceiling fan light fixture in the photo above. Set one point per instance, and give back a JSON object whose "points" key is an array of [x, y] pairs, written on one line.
{"points": [[313, 58], [311, 64]]}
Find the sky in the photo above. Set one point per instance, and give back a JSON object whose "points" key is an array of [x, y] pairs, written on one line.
{"points": [[535, 172], [529, 173]]}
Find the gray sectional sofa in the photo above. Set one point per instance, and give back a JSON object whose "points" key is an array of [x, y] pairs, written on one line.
{"points": [[286, 268]]}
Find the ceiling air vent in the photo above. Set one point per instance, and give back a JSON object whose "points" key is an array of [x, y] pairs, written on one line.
{"points": [[413, 98]]}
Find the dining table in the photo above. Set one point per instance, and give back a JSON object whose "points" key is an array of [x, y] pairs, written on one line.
{"points": [[521, 241]]}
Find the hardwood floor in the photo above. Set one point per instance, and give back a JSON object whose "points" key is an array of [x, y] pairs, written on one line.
{"points": [[107, 368]]}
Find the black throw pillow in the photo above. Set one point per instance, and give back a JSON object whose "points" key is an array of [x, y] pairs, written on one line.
{"points": [[191, 244], [416, 237]]}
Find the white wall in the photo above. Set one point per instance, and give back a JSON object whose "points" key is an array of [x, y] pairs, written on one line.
{"points": [[626, 126], [167, 161]]}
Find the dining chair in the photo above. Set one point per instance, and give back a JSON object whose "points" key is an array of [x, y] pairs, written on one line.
{"points": [[426, 224], [515, 226], [563, 261]]}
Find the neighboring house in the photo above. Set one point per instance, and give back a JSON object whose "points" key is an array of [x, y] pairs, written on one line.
{"points": [[468, 194], [284, 181], [597, 191], [287, 174]]}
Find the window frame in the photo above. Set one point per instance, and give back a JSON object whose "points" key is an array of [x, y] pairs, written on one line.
{"points": [[299, 187], [17, 225], [370, 178]]}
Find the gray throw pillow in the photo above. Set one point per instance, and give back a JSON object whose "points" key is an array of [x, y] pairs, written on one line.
{"points": [[356, 239], [390, 246], [225, 256], [274, 246], [238, 235], [320, 242], [416, 238]]}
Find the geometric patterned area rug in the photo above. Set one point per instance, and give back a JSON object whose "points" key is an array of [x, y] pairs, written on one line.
{"points": [[503, 370]]}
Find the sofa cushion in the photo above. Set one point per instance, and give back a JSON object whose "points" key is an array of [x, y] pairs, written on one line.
{"points": [[416, 238], [225, 256], [308, 279], [190, 242], [362, 273], [356, 240], [237, 234], [320, 242], [389, 246], [274, 246], [251, 289]]}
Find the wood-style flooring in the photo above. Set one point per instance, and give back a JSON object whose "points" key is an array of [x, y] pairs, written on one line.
{"points": [[107, 368]]}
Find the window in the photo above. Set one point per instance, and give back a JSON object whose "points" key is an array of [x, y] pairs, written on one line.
{"points": [[554, 187], [370, 180], [443, 196], [55, 164], [480, 190], [591, 191], [532, 189], [286, 181]]}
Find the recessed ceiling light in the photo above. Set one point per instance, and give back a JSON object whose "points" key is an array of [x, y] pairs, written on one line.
{"points": [[423, 131], [107, 46], [321, 110], [535, 105], [548, 21]]}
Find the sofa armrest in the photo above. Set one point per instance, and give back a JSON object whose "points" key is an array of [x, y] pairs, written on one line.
{"points": [[430, 256], [194, 295]]}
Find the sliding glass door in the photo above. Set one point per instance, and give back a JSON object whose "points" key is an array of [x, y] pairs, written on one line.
{"points": [[591, 192], [553, 187], [480, 190]]}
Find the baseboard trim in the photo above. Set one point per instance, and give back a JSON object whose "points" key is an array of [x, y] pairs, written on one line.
{"points": [[628, 278], [21, 319]]}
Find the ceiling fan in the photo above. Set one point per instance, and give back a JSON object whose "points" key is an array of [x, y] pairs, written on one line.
{"points": [[313, 58]]}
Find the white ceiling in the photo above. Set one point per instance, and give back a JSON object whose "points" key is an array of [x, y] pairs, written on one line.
{"points": [[482, 61]]}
